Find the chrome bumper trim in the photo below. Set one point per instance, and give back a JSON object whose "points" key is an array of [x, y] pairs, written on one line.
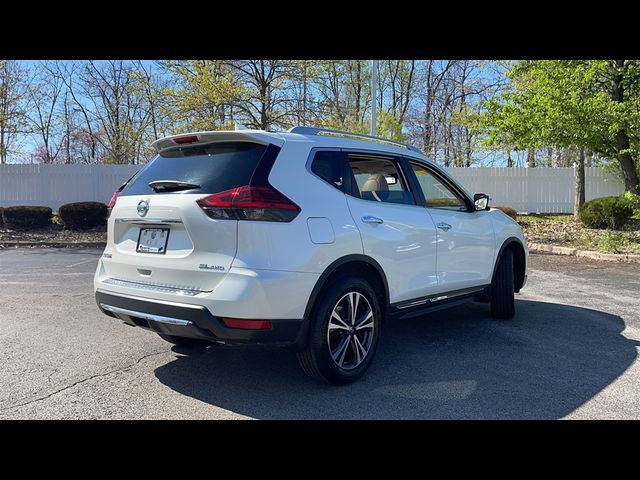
{"points": [[146, 316], [149, 286], [145, 221]]}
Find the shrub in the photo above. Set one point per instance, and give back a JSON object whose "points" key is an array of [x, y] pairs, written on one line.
{"points": [[1, 221], [613, 242], [83, 215], [26, 217], [634, 200], [508, 210], [606, 212]]}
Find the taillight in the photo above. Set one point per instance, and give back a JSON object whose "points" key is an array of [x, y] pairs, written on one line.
{"points": [[263, 203], [114, 198]]}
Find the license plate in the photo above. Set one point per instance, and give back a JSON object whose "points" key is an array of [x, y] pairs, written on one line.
{"points": [[153, 240]]}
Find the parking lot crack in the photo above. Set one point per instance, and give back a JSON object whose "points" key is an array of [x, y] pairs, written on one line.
{"points": [[80, 382]]}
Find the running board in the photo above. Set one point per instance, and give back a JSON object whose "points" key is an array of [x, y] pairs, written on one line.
{"points": [[431, 303]]}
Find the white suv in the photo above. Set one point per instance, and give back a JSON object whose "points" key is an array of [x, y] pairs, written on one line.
{"points": [[309, 239]]}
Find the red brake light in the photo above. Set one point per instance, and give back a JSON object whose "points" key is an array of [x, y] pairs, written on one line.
{"points": [[250, 203], [187, 139], [247, 324], [114, 198]]}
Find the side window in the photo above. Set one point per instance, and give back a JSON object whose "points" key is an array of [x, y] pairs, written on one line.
{"points": [[378, 179], [328, 166], [436, 193]]}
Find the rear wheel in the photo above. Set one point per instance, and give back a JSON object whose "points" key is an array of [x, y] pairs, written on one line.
{"points": [[183, 341], [502, 288], [344, 332]]}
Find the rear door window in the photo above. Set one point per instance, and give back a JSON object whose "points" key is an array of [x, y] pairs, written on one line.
{"points": [[215, 167], [378, 179]]}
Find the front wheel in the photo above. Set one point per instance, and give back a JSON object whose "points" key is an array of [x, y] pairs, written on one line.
{"points": [[502, 288], [344, 332]]}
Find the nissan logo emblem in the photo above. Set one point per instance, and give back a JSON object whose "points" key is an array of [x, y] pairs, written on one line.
{"points": [[143, 207]]}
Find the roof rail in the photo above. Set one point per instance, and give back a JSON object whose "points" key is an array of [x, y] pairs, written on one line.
{"points": [[319, 131]]}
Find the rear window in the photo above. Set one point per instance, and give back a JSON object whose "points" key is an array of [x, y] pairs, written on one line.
{"points": [[215, 167]]}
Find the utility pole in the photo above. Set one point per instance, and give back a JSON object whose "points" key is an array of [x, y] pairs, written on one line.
{"points": [[374, 86]]}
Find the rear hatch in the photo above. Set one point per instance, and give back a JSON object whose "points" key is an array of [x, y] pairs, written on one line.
{"points": [[158, 234]]}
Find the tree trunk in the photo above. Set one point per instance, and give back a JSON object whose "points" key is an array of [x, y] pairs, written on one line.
{"points": [[625, 159], [579, 183], [558, 157], [549, 156], [626, 163], [531, 158], [304, 93], [509, 159]]}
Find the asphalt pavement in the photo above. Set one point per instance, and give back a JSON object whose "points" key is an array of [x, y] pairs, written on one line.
{"points": [[571, 352]]}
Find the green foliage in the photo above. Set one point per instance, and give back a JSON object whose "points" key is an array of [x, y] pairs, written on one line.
{"points": [[199, 96], [566, 103], [26, 217], [613, 242], [83, 215], [634, 201], [389, 126], [507, 210], [606, 212]]}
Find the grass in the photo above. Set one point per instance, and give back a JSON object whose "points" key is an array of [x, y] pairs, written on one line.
{"points": [[545, 217]]}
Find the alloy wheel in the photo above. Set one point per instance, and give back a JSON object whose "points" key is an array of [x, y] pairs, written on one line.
{"points": [[350, 331]]}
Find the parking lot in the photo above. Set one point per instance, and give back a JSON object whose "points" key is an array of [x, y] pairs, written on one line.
{"points": [[570, 352]]}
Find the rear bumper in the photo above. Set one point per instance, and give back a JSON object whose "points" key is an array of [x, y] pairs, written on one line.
{"points": [[194, 321]]}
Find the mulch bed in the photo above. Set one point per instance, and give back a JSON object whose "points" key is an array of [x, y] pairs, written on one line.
{"points": [[565, 232], [54, 234]]}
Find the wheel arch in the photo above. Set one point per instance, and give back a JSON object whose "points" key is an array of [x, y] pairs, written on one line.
{"points": [[519, 260], [352, 264]]}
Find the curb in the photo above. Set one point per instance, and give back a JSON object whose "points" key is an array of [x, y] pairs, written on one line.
{"points": [[19, 244], [610, 257]]}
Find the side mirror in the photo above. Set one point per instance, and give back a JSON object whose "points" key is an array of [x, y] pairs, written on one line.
{"points": [[481, 201]]}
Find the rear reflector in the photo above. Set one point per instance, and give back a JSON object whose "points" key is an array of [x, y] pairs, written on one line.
{"points": [[247, 324], [262, 202], [187, 139]]}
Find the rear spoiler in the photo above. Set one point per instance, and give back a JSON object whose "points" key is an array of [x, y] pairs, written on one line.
{"points": [[201, 138]]}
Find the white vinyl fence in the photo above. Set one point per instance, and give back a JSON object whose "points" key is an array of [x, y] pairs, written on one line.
{"points": [[55, 185], [534, 190]]}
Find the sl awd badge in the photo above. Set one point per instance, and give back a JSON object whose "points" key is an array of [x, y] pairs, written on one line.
{"points": [[204, 266], [143, 207]]}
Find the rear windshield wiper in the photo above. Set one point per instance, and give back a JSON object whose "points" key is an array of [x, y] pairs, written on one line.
{"points": [[171, 185]]}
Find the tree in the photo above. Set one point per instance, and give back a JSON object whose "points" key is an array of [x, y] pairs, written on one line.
{"points": [[590, 104], [116, 108], [580, 194], [43, 93], [344, 94], [263, 99], [13, 117], [199, 95]]}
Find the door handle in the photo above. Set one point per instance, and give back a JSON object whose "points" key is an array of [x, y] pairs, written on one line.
{"points": [[371, 219], [443, 226]]}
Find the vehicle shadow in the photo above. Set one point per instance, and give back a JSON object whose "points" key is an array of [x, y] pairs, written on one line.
{"points": [[457, 364]]}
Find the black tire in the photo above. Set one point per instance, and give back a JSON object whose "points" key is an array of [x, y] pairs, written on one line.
{"points": [[502, 288], [316, 359], [183, 341]]}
